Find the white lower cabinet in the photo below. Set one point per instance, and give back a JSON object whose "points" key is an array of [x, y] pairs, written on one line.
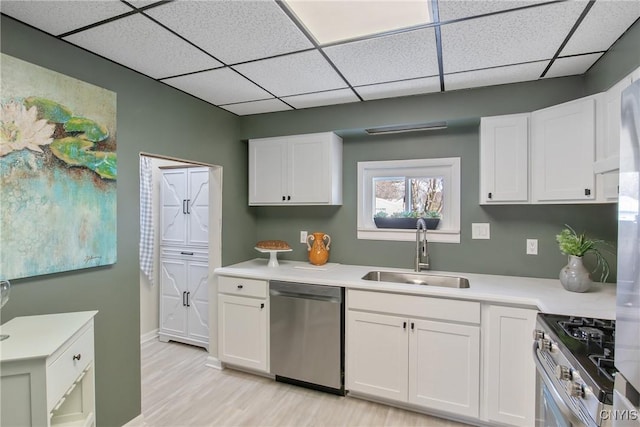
{"points": [[47, 367], [243, 323], [184, 298], [426, 359], [444, 366], [509, 370]]}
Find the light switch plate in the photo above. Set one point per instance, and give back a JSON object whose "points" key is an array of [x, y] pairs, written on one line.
{"points": [[303, 237], [480, 230], [532, 246]]}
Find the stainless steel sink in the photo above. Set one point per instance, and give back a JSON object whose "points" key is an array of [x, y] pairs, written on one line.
{"points": [[425, 279]]}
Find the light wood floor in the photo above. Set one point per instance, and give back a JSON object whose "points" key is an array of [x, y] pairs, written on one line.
{"points": [[179, 390]]}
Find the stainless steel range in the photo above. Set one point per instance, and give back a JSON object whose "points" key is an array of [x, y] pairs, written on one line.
{"points": [[574, 358]]}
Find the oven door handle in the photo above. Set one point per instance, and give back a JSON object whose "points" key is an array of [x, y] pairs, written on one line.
{"points": [[555, 394]]}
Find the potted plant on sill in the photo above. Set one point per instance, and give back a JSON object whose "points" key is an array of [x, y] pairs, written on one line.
{"points": [[574, 276], [406, 219]]}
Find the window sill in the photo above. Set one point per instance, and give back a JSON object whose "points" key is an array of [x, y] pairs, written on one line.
{"points": [[438, 236]]}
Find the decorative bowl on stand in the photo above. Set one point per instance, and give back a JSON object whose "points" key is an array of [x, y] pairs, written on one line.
{"points": [[273, 255]]}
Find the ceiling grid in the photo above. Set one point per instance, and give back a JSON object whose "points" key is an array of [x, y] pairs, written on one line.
{"points": [[258, 56]]}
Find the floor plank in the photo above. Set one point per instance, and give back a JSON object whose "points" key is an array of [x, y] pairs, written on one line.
{"points": [[179, 390]]}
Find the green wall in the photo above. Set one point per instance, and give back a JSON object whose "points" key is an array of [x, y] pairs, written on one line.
{"points": [[510, 225], [152, 118]]}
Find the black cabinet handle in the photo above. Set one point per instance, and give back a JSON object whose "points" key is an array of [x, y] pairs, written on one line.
{"points": [[184, 302], [288, 197], [412, 325], [284, 198], [404, 325], [186, 253], [184, 209], [261, 306], [77, 356], [490, 195], [240, 286], [188, 296], [587, 191], [188, 211]]}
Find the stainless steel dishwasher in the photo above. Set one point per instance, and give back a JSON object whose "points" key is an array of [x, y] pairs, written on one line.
{"points": [[307, 335]]}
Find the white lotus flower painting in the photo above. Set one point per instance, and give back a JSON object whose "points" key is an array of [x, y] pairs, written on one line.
{"points": [[58, 169]]}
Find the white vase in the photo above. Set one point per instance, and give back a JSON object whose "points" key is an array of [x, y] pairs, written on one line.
{"points": [[574, 276]]}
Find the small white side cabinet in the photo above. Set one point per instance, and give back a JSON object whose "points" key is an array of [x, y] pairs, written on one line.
{"points": [[243, 322], [184, 218], [563, 141], [47, 368], [417, 350], [504, 159], [296, 170], [509, 371], [184, 296]]}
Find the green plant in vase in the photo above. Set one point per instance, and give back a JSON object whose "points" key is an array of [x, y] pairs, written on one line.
{"points": [[574, 276]]}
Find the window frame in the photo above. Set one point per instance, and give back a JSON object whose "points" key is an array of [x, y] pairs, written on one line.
{"points": [[448, 168]]}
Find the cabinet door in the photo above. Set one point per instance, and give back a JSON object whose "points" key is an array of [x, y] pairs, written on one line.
{"points": [[242, 331], [377, 359], [504, 159], [198, 207], [509, 371], [198, 301], [173, 289], [444, 366], [563, 152], [268, 172], [173, 193], [309, 177]]}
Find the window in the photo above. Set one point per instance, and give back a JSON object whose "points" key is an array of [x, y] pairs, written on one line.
{"points": [[411, 187]]}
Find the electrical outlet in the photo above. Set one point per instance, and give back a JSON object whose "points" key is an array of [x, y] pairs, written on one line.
{"points": [[532, 246], [303, 237], [480, 230]]}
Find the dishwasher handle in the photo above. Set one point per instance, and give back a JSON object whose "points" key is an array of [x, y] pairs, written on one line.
{"points": [[331, 294]]}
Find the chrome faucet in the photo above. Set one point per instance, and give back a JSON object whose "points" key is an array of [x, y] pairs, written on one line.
{"points": [[424, 250]]}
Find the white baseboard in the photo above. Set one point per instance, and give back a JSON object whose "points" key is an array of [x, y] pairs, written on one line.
{"points": [[148, 336], [214, 362]]}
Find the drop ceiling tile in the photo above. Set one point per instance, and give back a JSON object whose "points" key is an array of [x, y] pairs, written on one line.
{"points": [[605, 22], [294, 74], [139, 43], [458, 9], [59, 17], [257, 107], [572, 65], [330, 97], [494, 76], [233, 31], [221, 86], [509, 38], [401, 88], [395, 57]]}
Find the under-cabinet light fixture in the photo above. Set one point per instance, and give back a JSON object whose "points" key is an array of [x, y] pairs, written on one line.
{"points": [[406, 128]]}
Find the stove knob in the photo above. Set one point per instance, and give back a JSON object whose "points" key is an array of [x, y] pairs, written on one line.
{"points": [[576, 390], [563, 373], [538, 334], [547, 344]]}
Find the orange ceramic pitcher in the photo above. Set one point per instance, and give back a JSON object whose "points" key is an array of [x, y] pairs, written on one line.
{"points": [[318, 252]]}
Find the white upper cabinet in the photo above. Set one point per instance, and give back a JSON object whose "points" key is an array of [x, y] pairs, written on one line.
{"points": [[184, 219], [504, 159], [296, 170], [563, 141]]}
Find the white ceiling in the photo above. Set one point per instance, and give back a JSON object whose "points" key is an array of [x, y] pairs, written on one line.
{"points": [[252, 57]]}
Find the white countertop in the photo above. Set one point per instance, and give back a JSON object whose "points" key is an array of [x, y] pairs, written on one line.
{"points": [[35, 337], [547, 295]]}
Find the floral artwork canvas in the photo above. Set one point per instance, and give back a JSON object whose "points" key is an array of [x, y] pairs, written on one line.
{"points": [[58, 169]]}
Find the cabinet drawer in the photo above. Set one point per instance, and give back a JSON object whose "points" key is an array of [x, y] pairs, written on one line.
{"points": [[415, 306], [244, 287], [185, 253], [63, 371]]}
